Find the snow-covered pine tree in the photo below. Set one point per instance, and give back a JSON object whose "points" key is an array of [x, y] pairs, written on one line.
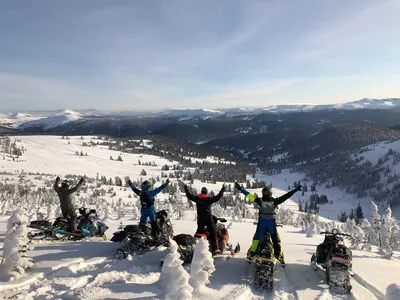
{"points": [[387, 233], [107, 214], [51, 213], [16, 244], [120, 209], [376, 221], [312, 229], [202, 265], [135, 212], [174, 278], [58, 211]]}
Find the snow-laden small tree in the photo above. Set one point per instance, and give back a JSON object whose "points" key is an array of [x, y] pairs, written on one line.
{"points": [[375, 220], [312, 229], [174, 278], [393, 292], [120, 209], [388, 233], [58, 211], [107, 214], [202, 265], [51, 213], [135, 212], [170, 210], [16, 244]]}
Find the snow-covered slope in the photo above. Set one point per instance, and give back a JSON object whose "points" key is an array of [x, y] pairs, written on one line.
{"points": [[54, 120], [14, 120], [87, 270]]}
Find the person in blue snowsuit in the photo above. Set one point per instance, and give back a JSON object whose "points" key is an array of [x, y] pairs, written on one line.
{"points": [[147, 198], [266, 218]]}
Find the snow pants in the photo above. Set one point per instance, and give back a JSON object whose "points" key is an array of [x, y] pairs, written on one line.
{"points": [[270, 226], [150, 212], [209, 224], [71, 216]]}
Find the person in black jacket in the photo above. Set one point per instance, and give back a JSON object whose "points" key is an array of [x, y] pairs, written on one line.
{"points": [[65, 195], [204, 215]]}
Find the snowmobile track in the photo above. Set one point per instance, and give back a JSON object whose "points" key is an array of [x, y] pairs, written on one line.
{"points": [[362, 283], [365, 284]]}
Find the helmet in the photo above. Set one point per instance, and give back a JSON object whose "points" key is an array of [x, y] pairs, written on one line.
{"points": [[146, 185], [65, 184], [204, 191], [82, 211], [266, 192]]}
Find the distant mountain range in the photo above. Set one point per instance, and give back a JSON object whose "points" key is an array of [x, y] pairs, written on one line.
{"points": [[50, 119]]}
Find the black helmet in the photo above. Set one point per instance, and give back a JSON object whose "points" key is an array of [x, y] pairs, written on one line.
{"points": [[146, 185], [65, 184], [266, 192], [204, 191]]}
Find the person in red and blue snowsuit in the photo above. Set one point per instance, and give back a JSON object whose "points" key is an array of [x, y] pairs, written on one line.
{"points": [[204, 215], [147, 198]]}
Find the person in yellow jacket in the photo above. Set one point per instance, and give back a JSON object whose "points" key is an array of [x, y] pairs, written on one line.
{"points": [[266, 219]]}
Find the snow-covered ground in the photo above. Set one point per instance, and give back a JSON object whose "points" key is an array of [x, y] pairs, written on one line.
{"points": [[87, 269]]}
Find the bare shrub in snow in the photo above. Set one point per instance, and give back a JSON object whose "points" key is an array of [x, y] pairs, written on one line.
{"points": [[16, 244], [174, 278], [393, 292], [202, 264], [312, 229]]}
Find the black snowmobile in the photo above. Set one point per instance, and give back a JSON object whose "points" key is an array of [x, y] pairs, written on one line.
{"points": [[334, 257], [265, 262], [88, 224], [138, 239]]}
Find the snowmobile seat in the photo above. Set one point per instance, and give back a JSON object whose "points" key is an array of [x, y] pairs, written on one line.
{"points": [[61, 222]]}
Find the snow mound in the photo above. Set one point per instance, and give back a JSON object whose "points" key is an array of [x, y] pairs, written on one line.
{"points": [[54, 120], [312, 230], [202, 264], [393, 292]]}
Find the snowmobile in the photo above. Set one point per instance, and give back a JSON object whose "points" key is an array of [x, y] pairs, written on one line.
{"points": [[265, 262], [186, 242], [88, 224], [138, 239], [222, 237], [336, 259]]}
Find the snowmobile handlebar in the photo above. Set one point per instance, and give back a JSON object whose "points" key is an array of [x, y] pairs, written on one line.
{"points": [[335, 232]]}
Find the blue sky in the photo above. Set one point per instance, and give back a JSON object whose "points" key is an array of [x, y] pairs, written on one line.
{"points": [[148, 55]]}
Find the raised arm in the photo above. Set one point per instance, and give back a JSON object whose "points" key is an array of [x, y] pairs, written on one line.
{"points": [[247, 194], [56, 187], [77, 187], [286, 196], [154, 192], [134, 189], [219, 195], [189, 195]]}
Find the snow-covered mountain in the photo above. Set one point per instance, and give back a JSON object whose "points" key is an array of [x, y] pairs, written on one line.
{"points": [[53, 120]]}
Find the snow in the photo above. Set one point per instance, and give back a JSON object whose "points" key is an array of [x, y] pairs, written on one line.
{"points": [[49, 154], [54, 120], [393, 292], [87, 269]]}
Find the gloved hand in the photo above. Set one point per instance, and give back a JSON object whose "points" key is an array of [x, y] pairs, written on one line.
{"points": [[58, 178], [167, 181], [129, 182], [82, 180], [237, 186], [224, 186], [298, 188]]}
